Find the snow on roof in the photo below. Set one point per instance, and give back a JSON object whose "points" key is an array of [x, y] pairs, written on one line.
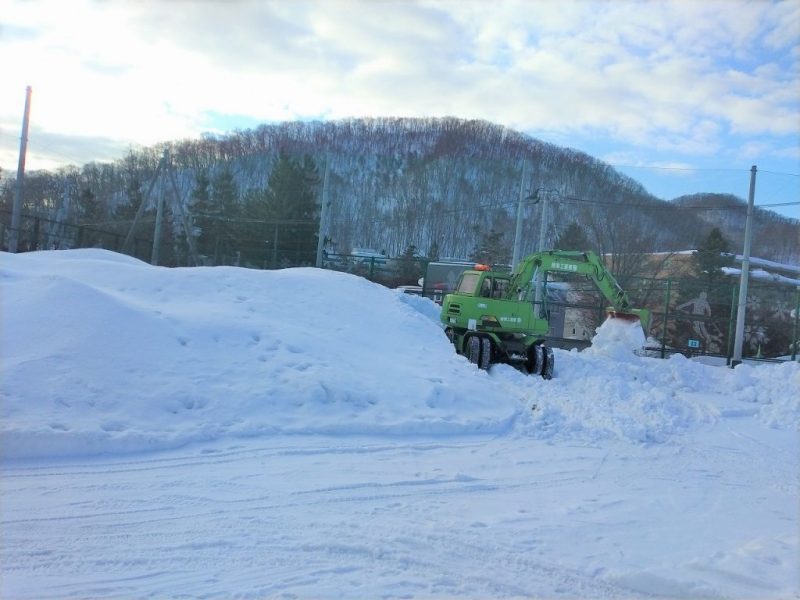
{"points": [[769, 264], [762, 275]]}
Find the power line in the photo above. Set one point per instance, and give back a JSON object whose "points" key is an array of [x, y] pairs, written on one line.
{"points": [[778, 204], [780, 173], [701, 169]]}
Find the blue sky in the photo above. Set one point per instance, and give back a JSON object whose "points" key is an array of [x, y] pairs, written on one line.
{"points": [[683, 96]]}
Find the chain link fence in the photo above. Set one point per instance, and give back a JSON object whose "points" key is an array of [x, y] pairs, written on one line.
{"points": [[36, 232], [687, 316]]}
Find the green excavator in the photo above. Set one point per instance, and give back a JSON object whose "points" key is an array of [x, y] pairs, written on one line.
{"points": [[501, 317]]}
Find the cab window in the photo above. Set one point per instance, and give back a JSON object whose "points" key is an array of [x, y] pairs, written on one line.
{"points": [[468, 283], [499, 288]]}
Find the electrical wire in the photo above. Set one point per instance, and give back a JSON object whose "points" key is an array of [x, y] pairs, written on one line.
{"points": [[699, 169]]}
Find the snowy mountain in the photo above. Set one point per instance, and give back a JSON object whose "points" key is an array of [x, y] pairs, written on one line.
{"points": [[223, 432], [777, 237], [437, 184]]}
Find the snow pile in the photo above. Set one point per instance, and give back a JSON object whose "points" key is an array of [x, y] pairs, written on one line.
{"points": [[617, 339], [607, 391], [425, 306], [103, 353]]}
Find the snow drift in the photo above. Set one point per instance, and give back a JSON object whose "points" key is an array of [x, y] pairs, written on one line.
{"points": [[104, 354]]}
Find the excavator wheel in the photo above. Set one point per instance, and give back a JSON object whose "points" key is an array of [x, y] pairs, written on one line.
{"points": [[486, 353], [474, 350], [535, 359], [549, 362]]}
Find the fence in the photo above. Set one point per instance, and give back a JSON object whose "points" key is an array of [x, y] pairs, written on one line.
{"points": [[688, 317], [39, 233]]}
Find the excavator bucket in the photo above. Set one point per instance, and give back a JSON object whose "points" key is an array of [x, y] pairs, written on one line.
{"points": [[625, 316], [632, 316]]}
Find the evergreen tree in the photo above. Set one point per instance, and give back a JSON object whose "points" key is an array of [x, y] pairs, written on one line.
{"points": [[410, 269], [205, 216], [702, 305], [289, 208], [573, 238], [91, 209], [491, 250], [125, 214], [220, 217], [710, 257], [433, 252]]}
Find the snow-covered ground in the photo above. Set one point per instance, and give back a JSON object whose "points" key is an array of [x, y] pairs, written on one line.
{"points": [[220, 432]]}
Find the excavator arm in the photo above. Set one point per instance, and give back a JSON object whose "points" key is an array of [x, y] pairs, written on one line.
{"points": [[534, 268]]}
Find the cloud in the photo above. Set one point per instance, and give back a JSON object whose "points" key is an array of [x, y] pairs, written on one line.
{"points": [[675, 76]]}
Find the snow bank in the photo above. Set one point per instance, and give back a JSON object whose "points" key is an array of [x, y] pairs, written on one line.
{"points": [[103, 353], [607, 391]]}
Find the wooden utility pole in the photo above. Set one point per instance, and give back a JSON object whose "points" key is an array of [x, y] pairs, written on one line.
{"points": [[16, 211]]}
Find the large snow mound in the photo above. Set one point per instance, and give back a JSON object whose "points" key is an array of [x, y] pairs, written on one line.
{"points": [[103, 353]]}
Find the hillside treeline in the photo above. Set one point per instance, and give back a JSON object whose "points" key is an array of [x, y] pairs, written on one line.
{"points": [[444, 187]]}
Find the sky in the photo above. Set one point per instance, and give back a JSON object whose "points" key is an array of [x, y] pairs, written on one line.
{"points": [[683, 96]]}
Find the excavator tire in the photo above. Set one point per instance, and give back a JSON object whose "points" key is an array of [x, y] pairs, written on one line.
{"points": [[474, 350], [486, 353], [535, 359], [549, 362]]}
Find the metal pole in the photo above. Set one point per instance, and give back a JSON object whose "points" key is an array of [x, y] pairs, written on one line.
{"points": [[543, 223], [795, 341], [323, 213], [666, 318], [540, 276], [518, 231], [742, 306], [731, 325], [13, 236]]}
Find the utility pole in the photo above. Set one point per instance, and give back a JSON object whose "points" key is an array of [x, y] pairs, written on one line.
{"points": [[178, 202], [140, 211], [323, 212], [164, 170], [518, 231], [543, 222], [159, 216], [539, 277], [16, 211], [742, 306]]}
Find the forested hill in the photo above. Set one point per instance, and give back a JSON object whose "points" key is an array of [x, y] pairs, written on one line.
{"points": [[445, 186], [775, 236]]}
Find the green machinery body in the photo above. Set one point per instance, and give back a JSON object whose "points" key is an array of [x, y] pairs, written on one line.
{"points": [[500, 317]]}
